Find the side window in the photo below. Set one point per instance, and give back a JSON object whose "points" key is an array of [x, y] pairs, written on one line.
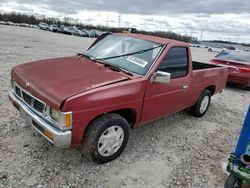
{"points": [[175, 62]]}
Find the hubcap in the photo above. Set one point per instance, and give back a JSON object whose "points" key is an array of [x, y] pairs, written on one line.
{"points": [[110, 141], [204, 104]]}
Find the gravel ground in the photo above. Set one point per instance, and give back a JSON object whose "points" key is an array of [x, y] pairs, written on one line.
{"points": [[176, 151]]}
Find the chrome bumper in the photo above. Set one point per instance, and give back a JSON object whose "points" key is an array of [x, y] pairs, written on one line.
{"points": [[57, 137]]}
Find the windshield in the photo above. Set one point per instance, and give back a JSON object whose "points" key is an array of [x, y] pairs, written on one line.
{"points": [[234, 56], [131, 54]]}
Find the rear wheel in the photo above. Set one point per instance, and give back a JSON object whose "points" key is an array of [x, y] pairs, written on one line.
{"points": [[106, 138], [232, 182], [201, 106], [248, 88]]}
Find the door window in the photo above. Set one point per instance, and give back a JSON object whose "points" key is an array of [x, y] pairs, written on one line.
{"points": [[175, 62]]}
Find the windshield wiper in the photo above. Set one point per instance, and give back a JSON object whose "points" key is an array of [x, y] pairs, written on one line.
{"points": [[85, 55], [116, 68], [91, 58], [104, 63], [128, 54]]}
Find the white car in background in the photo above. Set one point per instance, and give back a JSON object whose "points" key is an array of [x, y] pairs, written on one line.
{"points": [[2, 23], [9, 23], [44, 26], [24, 25], [33, 26], [214, 49], [53, 28]]}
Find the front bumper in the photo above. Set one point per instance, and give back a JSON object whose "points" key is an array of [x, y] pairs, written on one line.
{"points": [[57, 137]]}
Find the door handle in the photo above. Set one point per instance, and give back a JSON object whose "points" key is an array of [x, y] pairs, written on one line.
{"points": [[185, 87]]}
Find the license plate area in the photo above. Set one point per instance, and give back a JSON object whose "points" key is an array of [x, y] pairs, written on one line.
{"points": [[37, 126]]}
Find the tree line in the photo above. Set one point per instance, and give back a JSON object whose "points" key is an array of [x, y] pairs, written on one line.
{"points": [[228, 42], [31, 19]]}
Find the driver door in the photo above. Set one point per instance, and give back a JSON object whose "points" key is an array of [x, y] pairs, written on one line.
{"points": [[163, 99]]}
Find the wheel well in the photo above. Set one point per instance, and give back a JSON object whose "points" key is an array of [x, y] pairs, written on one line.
{"points": [[128, 114], [211, 89]]}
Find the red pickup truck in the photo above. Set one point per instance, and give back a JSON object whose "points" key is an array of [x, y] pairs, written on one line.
{"points": [[122, 81]]}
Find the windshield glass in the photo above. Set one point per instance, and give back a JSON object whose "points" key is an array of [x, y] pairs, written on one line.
{"points": [[234, 56], [136, 60]]}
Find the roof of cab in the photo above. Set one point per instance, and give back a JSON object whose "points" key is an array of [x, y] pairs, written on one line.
{"points": [[160, 40]]}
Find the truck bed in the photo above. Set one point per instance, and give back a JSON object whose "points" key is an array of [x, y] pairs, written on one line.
{"points": [[198, 65], [206, 75], [209, 74]]}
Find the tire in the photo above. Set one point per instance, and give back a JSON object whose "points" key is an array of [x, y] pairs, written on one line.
{"points": [[106, 138], [248, 88], [201, 106], [209, 50], [232, 182]]}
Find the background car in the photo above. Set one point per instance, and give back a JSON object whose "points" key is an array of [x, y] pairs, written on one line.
{"points": [[24, 25], [44, 26], [33, 26], [67, 30], [9, 23], [60, 29], [2, 23], [78, 32], [87, 32], [53, 28], [196, 45], [214, 49], [92, 33], [238, 64]]}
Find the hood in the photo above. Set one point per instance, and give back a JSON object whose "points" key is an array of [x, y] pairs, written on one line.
{"points": [[55, 80]]}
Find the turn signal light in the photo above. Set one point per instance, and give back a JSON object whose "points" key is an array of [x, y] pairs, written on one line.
{"points": [[67, 120]]}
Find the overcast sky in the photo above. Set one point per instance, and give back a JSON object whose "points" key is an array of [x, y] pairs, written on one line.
{"points": [[206, 19]]}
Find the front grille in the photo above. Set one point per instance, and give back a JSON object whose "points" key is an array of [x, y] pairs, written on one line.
{"points": [[38, 106], [18, 91], [30, 100], [27, 98]]}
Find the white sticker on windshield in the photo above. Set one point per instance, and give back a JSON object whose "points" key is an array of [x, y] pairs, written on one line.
{"points": [[137, 61]]}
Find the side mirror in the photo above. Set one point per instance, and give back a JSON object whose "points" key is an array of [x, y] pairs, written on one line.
{"points": [[161, 77]]}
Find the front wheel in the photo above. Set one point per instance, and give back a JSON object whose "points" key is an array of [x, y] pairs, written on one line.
{"points": [[232, 182], [201, 106], [106, 138]]}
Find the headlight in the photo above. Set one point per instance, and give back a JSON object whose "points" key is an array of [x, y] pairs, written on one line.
{"points": [[54, 114], [64, 119]]}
